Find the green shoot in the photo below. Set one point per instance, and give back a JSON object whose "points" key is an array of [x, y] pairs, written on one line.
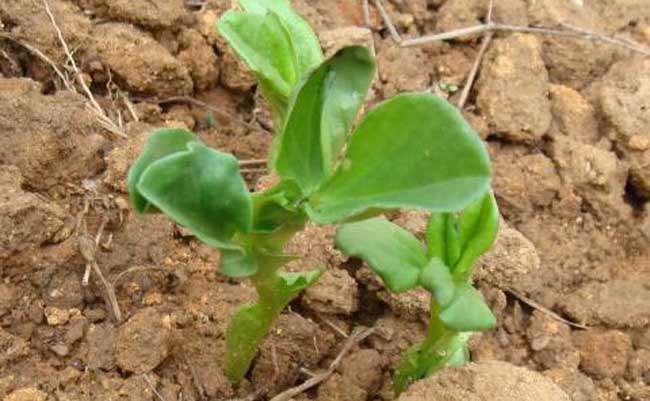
{"points": [[412, 151], [443, 268]]}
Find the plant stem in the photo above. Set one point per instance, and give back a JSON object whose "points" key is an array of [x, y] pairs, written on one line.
{"points": [[251, 323]]}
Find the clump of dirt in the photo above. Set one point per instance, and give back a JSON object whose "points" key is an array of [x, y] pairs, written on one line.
{"points": [[500, 380]]}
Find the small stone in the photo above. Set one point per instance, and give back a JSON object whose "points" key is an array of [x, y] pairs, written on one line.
{"points": [[142, 342], [638, 142], [335, 39], [340, 388], [60, 349], [513, 89], [26, 394], [335, 292], [511, 258], [100, 340], [364, 368], [638, 368], [56, 316], [603, 354]]}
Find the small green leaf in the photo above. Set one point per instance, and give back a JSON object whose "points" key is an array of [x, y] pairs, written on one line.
{"points": [[412, 151], [275, 208], [161, 143], [246, 330], [467, 311], [307, 48], [392, 252], [295, 282], [202, 190], [436, 278], [237, 263], [263, 42], [479, 225], [321, 115]]}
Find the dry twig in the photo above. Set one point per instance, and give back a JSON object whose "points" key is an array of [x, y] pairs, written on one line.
{"points": [[498, 27], [471, 77], [545, 310], [197, 102], [389, 24], [102, 117], [42, 56], [358, 336]]}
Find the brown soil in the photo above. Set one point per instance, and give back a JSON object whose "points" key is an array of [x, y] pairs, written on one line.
{"points": [[567, 123]]}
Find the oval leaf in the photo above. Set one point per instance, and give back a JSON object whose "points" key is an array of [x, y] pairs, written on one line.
{"points": [[392, 252], [479, 225], [468, 311], [245, 332], [202, 190], [264, 43], [321, 115], [412, 151], [160, 143], [307, 48]]}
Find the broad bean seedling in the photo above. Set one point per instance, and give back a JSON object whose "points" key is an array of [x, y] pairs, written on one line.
{"points": [[411, 151]]}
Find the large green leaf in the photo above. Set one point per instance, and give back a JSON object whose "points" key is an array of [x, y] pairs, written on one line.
{"points": [[304, 40], [202, 190], [392, 252], [161, 143], [263, 42], [412, 151], [467, 311], [321, 115]]}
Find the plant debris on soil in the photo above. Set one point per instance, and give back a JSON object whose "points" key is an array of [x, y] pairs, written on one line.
{"points": [[567, 123]]}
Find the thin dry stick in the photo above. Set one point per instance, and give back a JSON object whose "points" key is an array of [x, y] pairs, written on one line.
{"points": [[153, 388], [496, 27], [252, 162], [103, 118], [355, 338], [365, 7], [485, 42], [545, 310], [487, 39], [42, 56], [188, 99], [110, 293], [386, 18]]}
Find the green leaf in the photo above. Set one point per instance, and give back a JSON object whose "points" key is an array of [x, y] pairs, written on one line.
{"points": [[392, 252], [479, 225], [307, 48], [161, 143], [276, 208], [246, 330], [237, 263], [467, 311], [412, 151], [294, 282], [202, 190], [408, 369], [436, 278], [321, 115], [263, 42], [459, 239]]}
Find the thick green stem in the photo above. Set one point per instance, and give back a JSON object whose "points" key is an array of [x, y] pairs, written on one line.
{"points": [[251, 323], [429, 356]]}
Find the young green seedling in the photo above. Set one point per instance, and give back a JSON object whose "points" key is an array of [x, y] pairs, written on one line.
{"points": [[443, 268], [412, 151]]}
